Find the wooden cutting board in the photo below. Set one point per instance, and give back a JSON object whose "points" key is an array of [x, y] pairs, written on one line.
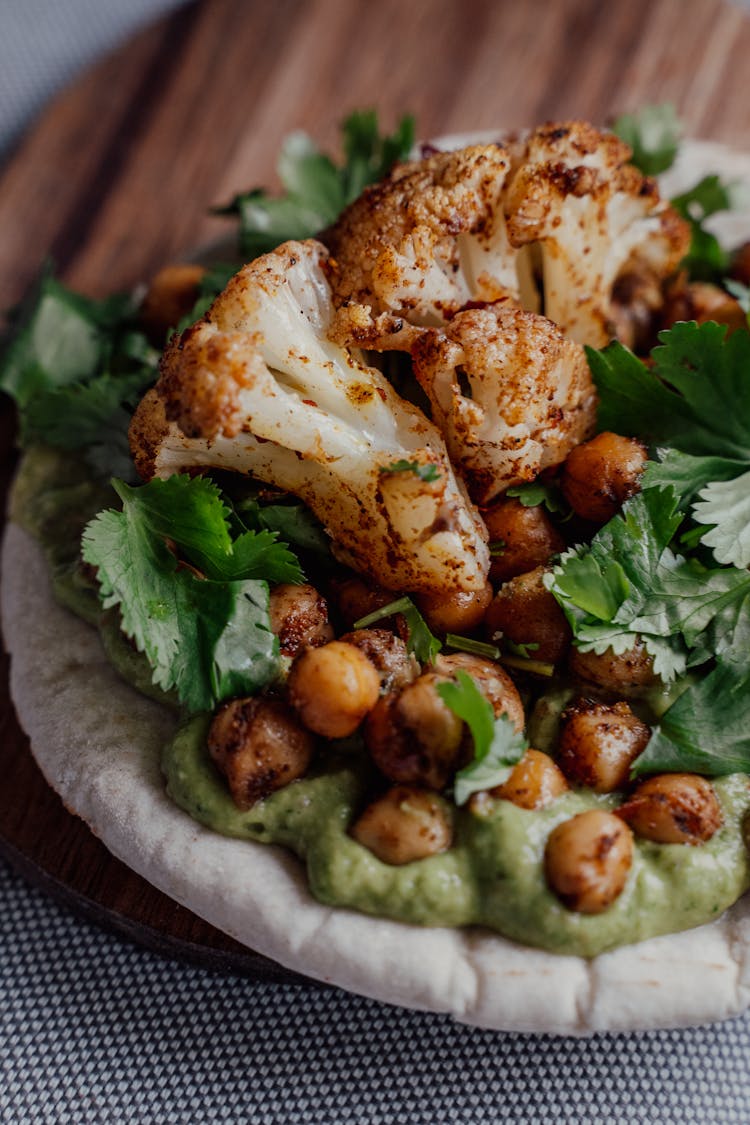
{"points": [[115, 179]]}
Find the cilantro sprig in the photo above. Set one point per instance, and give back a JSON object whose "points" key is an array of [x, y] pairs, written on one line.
{"points": [[497, 743], [693, 404], [192, 597], [653, 134], [316, 189]]}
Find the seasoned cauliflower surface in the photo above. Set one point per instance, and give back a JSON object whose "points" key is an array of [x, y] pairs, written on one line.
{"points": [[509, 392], [256, 386]]}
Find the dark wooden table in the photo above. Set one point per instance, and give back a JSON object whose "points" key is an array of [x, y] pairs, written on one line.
{"points": [[116, 177]]}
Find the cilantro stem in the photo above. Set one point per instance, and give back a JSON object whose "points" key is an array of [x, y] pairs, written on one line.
{"points": [[535, 667], [468, 644], [399, 606]]}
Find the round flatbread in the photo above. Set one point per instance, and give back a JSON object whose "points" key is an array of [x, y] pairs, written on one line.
{"points": [[98, 743]]}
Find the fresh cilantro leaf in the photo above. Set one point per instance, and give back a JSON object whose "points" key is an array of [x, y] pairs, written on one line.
{"points": [[537, 492], [424, 472], [497, 743], [204, 626], [316, 189], [687, 474], [421, 641], [653, 134], [706, 259], [294, 523], [628, 583], [725, 504]]}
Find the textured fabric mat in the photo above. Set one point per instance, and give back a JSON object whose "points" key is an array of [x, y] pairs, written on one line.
{"points": [[93, 1029]]}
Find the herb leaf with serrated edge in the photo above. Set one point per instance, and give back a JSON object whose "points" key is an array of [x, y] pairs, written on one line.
{"points": [[497, 743], [316, 189], [208, 637], [538, 492], [653, 133]]}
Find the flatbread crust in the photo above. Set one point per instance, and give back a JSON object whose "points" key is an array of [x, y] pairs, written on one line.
{"points": [[98, 744]]}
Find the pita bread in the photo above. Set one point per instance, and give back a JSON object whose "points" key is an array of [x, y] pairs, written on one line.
{"points": [[99, 747]]}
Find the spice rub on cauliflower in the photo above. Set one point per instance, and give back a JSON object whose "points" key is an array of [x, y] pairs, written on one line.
{"points": [[511, 395], [561, 223], [257, 386]]}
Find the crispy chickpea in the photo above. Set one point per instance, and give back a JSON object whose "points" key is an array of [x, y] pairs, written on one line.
{"points": [[587, 860], [740, 266], [395, 665], [299, 618], [356, 599], [494, 682], [599, 742], [333, 688], [600, 475], [259, 745], [636, 299], [626, 673], [525, 612], [674, 808], [528, 536], [534, 782], [404, 825], [170, 296], [458, 612], [702, 301], [414, 737]]}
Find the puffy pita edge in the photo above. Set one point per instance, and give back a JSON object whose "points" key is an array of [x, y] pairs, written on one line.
{"points": [[98, 744]]}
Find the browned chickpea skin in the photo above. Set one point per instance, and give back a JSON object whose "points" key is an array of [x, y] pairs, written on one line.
{"points": [[356, 599], [702, 301], [299, 618], [674, 808], [627, 673], [259, 746], [395, 665], [404, 825], [534, 783], [457, 612], [528, 536], [526, 613], [332, 688], [600, 475], [599, 742], [414, 737], [170, 296], [587, 860]]}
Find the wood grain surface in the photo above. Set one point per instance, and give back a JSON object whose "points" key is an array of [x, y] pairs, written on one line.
{"points": [[116, 177]]}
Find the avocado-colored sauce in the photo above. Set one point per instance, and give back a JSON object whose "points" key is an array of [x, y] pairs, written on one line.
{"points": [[493, 873]]}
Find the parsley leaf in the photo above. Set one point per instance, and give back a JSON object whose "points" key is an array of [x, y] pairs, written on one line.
{"points": [[208, 637], [316, 189], [497, 743], [424, 472], [653, 134]]}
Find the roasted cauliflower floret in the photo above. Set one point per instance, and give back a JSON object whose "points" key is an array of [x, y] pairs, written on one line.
{"points": [[256, 386], [511, 395], [595, 218], [421, 244]]}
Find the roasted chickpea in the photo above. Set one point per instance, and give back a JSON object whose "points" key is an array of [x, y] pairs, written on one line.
{"points": [[636, 299], [626, 673], [525, 612], [740, 266], [413, 736], [702, 301], [357, 599], [534, 782], [388, 654], [674, 808], [587, 860], [599, 742], [260, 746], [458, 612], [333, 688], [404, 825], [528, 536], [600, 475], [170, 296], [494, 682], [299, 618]]}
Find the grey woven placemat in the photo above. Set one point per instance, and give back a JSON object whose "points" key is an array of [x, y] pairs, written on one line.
{"points": [[93, 1029]]}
